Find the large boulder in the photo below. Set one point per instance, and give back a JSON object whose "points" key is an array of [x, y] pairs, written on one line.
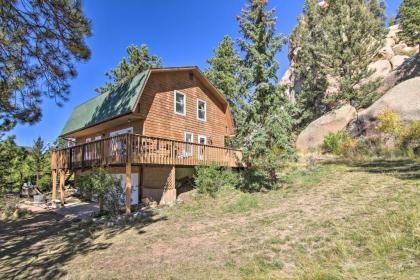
{"points": [[409, 69], [393, 32], [313, 135], [386, 52], [398, 49], [380, 68], [398, 60], [404, 99]]}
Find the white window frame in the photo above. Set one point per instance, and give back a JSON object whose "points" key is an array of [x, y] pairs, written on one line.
{"points": [[188, 147], [205, 110], [202, 137], [185, 102], [99, 137], [88, 140]]}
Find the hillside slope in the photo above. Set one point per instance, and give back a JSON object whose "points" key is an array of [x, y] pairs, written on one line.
{"points": [[333, 221]]}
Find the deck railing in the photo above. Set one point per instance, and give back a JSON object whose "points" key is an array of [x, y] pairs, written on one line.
{"points": [[139, 149]]}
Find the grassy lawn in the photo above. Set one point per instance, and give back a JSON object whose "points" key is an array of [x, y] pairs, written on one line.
{"points": [[334, 221]]}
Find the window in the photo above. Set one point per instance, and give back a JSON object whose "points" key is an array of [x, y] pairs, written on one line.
{"points": [[201, 110], [179, 103], [202, 139], [188, 147], [70, 142]]}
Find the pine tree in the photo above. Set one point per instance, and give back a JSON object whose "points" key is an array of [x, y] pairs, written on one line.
{"points": [[38, 158], [139, 59], [409, 16], [306, 49], [377, 8], [40, 43], [266, 129], [9, 151], [332, 47], [224, 74], [351, 35]]}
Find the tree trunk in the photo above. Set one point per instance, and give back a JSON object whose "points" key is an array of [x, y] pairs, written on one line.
{"points": [[272, 174], [37, 178]]}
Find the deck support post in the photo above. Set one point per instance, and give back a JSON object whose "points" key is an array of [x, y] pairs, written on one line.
{"points": [[62, 179], [54, 184], [128, 187], [169, 190], [128, 184]]}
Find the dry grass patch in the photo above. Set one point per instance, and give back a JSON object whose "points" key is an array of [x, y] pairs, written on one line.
{"points": [[327, 222]]}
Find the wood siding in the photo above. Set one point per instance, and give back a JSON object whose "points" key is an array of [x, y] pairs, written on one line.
{"points": [[157, 107]]}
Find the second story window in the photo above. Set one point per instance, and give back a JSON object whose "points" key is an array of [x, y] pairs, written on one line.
{"points": [[201, 110], [179, 103]]}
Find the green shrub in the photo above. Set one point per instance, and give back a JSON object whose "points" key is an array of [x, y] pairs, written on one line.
{"points": [[410, 138], [333, 142], [406, 137], [210, 179], [254, 179], [107, 188]]}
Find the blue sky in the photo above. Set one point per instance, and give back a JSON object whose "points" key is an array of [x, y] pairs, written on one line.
{"points": [[181, 32]]}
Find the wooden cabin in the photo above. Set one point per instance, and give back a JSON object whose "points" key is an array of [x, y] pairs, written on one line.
{"points": [[149, 132]]}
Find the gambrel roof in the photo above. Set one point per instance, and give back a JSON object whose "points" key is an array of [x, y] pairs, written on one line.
{"points": [[122, 100]]}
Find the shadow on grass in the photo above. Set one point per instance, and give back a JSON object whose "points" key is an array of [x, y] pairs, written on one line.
{"points": [[37, 247], [405, 169]]}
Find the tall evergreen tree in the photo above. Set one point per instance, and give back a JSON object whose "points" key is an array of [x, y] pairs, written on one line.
{"points": [[266, 129], [377, 8], [409, 16], [139, 59], [306, 47], [40, 43], [332, 47], [352, 34], [9, 151], [224, 74], [38, 158]]}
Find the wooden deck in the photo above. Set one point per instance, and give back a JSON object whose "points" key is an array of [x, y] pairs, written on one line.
{"points": [[139, 149]]}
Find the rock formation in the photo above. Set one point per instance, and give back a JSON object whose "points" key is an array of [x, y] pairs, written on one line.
{"points": [[390, 58], [313, 135], [403, 99]]}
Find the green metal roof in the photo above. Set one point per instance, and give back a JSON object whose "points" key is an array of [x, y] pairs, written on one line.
{"points": [[116, 102]]}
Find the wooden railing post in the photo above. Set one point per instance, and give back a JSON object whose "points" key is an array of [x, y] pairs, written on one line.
{"points": [[83, 156]]}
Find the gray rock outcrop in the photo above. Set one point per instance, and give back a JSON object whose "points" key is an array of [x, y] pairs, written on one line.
{"points": [[403, 99], [313, 135]]}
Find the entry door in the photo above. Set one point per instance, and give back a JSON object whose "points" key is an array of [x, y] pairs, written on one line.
{"points": [[134, 187]]}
